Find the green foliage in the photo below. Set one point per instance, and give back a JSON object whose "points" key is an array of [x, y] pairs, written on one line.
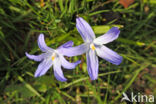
{"points": [[21, 21]]}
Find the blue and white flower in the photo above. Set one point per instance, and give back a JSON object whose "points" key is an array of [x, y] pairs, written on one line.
{"points": [[52, 57], [94, 47]]}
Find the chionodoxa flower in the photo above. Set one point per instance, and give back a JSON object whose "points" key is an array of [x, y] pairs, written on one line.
{"points": [[94, 47], [52, 57]]}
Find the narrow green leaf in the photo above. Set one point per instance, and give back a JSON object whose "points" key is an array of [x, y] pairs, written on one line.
{"points": [[101, 29], [30, 88]]}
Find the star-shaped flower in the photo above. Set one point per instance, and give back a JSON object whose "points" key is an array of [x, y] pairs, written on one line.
{"points": [[52, 57], [94, 47]]}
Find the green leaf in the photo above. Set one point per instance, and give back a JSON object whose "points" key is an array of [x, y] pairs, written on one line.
{"points": [[61, 5], [28, 86], [20, 89], [150, 1], [104, 28]]}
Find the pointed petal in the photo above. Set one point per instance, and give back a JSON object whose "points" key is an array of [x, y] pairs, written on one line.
{"points": [[111, 35], [92, 64], [67, 64], [67, 44], [84, 29], [58, 71], [109, 55], [74, 51], [42, 45], [35, 57], [43, 67]]}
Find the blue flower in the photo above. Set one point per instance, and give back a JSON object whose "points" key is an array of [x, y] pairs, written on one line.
{"points": [[94, 47], [52, 57]]}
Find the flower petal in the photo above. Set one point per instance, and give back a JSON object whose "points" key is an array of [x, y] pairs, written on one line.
{"points": [[84, 29], [42, 45], [92, 64], [67, 44], [35, 57], [74, 51], [58, 71], [43, 67], [109, 55], [111, 35], [67, 64]]}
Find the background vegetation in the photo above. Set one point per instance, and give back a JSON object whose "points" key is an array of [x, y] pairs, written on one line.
{"points": [[21, 21]]}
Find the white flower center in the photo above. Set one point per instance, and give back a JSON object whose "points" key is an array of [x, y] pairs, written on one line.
{"points": [[92, 46], [53, 56]]}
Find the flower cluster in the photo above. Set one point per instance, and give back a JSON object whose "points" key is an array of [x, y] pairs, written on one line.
{"points": [[92, 46]]}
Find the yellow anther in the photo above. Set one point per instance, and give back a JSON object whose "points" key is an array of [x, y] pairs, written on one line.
{"points": [[92, 47], [53, 57]]}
